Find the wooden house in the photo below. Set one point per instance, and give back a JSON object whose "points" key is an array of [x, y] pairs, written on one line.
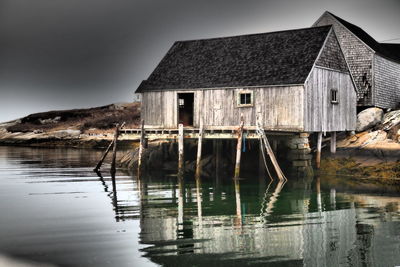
{"points": [[289, 81], [374, 66]]}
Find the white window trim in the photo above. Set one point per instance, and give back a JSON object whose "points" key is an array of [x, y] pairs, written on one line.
{"points": [[337, 94], [240, 92]]}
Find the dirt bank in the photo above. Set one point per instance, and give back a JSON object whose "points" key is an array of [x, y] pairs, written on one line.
{"points": [[91, 127]]}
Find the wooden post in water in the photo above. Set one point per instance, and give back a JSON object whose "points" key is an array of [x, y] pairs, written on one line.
{"points": [[141, 147], [96, 169], [114, 155], [333, 142], [199, 147], [180, 150], [319, 146], [239, 147]]}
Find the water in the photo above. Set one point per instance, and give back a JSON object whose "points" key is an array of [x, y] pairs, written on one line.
{"points": [[54, 209]]}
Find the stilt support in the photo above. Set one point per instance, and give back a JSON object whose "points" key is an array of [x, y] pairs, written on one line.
{"points": [[114, 155], [319, 147], [199, 147], [239, 148]]}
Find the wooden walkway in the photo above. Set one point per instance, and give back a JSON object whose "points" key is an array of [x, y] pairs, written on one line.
{"points": [[227, 132]]}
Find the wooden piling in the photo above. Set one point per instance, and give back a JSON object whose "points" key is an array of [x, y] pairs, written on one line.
{"points": [[96, 169], [333, 142], [114, 155], [180, 150], [319, 146], [239, 147], [141, 147], [199, 147]]}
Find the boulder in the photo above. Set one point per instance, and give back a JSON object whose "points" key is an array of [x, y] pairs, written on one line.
{"points": [[390, 120], [369, 118]]}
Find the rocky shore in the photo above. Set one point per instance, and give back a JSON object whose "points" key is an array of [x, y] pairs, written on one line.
{"points": [[91, 128]]}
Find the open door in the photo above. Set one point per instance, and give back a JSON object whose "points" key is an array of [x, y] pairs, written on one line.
{"points": [[185, 108]]}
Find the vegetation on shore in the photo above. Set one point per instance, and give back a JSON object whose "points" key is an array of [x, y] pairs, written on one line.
{"points": [[350, 167], [103, 118]]}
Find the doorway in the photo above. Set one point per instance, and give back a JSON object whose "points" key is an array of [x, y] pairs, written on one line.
{"points": [[185, 108]]}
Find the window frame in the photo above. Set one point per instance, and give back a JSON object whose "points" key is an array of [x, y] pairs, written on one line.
{"points": [[245, 92], [334, 96]]}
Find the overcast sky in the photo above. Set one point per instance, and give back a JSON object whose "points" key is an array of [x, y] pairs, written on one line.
{"points": [[61, 54]]}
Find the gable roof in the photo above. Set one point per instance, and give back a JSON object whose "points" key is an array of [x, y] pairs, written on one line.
{"points": [[276, 58], [367, 39], [393, 48]]}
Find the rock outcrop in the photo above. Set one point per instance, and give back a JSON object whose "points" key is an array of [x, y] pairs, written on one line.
{"points": [[368, 118]]}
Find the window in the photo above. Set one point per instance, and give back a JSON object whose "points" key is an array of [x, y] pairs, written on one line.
{"points": [[334, 96], [245, 99], [181, 102]]}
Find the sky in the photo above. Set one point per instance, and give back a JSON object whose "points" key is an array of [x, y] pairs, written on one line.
{"points": [[62, 54]]}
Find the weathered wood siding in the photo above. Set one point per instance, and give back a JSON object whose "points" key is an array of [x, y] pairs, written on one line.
{"points": [[160, 109], [322, 115], [280, 108]]}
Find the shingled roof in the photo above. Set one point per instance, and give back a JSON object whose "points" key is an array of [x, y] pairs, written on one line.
{"points": [[380, 48], [275, 58]]}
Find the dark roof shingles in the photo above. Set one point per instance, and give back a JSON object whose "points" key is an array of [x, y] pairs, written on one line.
{"points": [[380, 48], [275, 58]]}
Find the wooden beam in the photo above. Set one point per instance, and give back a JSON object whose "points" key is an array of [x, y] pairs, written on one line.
{"points": [[180, 150], [333, 142], [318, 156], [239, 147], [264, 139]]}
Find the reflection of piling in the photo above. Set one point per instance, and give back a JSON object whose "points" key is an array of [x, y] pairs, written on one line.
{"points": [[180, 201], [239, 148], [318, 189], [238, 202], [198, 199], [180, 150], [333, 142]]}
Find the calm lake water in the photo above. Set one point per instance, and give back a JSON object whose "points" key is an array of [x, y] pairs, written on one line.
{"points": [[54, 209]]}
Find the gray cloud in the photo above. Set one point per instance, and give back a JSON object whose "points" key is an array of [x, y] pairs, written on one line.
{"points": [[57, 54]]}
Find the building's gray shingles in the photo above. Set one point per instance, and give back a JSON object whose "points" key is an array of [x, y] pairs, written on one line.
{"points": [[275, 58], [379, 48]]}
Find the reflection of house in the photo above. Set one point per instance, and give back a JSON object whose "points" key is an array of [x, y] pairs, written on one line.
{"points": [[375, 66], [308, 238]]}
